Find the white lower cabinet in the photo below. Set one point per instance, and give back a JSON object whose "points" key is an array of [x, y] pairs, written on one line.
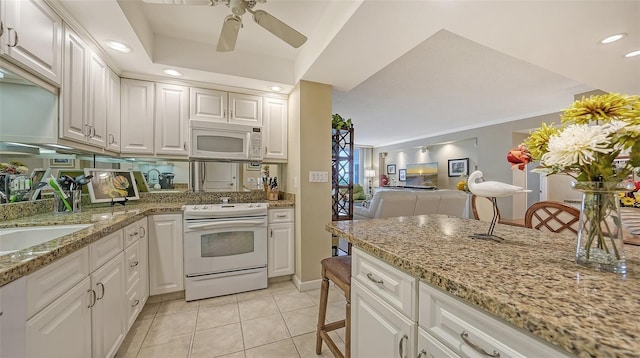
{"points": [[166, 272], [63, 328], [378, 330], [108, 313], [280, 245]]}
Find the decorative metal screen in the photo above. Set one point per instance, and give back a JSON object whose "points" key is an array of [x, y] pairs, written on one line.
{"points": [[342, 173]]}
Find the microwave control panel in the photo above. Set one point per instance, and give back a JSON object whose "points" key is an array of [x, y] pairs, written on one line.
{"points": [[255, 149]]}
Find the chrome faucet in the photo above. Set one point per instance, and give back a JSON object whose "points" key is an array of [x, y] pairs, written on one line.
{"points": [[149, 175]]}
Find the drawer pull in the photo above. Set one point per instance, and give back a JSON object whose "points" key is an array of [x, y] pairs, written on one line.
{"points": [[102, 290], [135, 233], [135, 303], [465, 337], [401, 347], [281, 216], [134, 264], [144, 232], [370, 277], [422, 353]]}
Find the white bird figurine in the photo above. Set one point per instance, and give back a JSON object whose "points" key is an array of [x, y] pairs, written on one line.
{"points": [[491, 189]]}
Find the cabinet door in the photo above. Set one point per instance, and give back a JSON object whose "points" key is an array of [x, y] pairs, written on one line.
{"points": [[97, 101], [371, 317], [245, 109], [207, 104], [136, 120], [33, 37], [63, 328], [109, 314], [74, 87], [166, 273], [143, 242], [171, 119], [113, 112], [274, 125], [280, 258]]}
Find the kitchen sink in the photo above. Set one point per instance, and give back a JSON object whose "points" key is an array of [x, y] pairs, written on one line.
{"points": [[18, 238]]}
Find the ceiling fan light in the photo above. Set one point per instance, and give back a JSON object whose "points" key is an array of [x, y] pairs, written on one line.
{"points": [[229, 33], [238, 7]]}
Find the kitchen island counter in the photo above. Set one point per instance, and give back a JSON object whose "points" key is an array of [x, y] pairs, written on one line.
{"points": [[530, 280]]}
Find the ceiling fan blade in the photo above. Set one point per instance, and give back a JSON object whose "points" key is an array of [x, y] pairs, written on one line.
{"points": [[180, 2], [229, 33], [285, 32]]}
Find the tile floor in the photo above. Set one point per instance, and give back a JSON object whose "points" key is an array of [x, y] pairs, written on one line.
{"points": [[275, 322]]}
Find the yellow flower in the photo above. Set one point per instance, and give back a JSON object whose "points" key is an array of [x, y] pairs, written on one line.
{"points": [[538, 141], [603, 108], [627, 201]]}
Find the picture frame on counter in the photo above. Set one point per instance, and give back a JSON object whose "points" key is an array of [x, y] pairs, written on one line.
{"points": [[402, 175], [112, 185], [458, 167], [391, 169]]}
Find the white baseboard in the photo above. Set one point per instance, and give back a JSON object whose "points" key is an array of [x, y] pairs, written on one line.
{"points": [[307, 285]]}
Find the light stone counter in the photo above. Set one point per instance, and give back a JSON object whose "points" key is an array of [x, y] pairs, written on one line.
{"points": [[530, 280]]}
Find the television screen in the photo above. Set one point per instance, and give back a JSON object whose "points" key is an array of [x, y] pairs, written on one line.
{"points": [[422, 175]]}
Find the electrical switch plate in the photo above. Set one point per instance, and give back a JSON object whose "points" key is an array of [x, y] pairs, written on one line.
{"points": [[318, 177]]}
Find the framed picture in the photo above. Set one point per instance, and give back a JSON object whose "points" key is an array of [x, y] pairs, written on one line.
{"points": [[402, 175], [391, 169], [39, 175], [457, 167], [253, 166], [109, 185], [62, 163]]}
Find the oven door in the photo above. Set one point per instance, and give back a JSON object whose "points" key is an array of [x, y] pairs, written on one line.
{"points": [[224, 245]]}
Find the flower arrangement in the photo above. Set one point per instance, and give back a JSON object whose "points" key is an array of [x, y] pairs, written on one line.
{"points": [[584, 150], [594, 132]]}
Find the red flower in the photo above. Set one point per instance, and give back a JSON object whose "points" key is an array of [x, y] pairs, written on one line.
{"points": [[519, 157]]}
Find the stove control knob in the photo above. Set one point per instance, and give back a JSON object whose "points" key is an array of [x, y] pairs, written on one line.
{"points": [[204, 207], [195, 207]]}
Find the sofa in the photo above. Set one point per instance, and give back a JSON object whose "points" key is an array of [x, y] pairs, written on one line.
{"points": [[392, 203]]}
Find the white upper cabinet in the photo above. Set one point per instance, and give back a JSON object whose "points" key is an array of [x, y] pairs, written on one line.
{"points": [[171, 120], [225, 107], [136, 121], [97, 101], [274, 127], [74, 106], [32, 36]]}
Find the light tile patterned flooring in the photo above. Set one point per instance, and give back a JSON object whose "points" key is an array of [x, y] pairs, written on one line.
{"points": [[278, 321]]}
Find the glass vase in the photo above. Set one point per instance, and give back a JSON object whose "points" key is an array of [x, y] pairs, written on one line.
{"points": [[600, 243]]}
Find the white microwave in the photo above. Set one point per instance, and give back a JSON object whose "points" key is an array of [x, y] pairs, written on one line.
{"points": [[224, 141]]}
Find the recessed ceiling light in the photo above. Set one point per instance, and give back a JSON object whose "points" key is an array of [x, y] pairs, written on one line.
{"points": [[612, 38], [171, 72], [633, 53], [118, 46], [275, 88]]}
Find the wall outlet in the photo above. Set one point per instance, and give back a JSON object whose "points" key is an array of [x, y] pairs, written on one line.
{"points": [[318, 177]]}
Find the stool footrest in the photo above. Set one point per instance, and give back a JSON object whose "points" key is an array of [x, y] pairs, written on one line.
{"points": [[333, 326]]}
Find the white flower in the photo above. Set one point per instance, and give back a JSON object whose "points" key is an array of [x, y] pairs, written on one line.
{"points": [[578, 145]]}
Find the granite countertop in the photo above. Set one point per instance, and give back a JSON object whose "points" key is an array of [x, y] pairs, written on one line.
{"points": [[104, 220], [530, 280]]}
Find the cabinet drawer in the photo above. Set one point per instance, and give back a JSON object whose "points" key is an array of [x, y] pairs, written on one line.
{"points": [[280, 215], [50, 282], [134, 231], [132, 265], [393, 286], [133, 304], [468, 331], [103, 250]]}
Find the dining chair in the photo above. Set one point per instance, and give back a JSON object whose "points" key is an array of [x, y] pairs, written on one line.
{"points": [[552, 216]]}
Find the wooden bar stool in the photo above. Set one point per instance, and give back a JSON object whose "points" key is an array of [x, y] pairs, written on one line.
{"points": [[338, 270]]}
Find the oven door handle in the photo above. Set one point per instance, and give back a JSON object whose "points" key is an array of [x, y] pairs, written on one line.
{"points": [[230, 223]]}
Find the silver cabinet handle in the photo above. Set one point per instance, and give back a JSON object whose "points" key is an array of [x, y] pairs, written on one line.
{"points": [[144, 232], [135, 233], [1, 28], [224, 113], [135, 303], [231, 113], [265, 150], [134, 264], [112, 138], [88, 130], [93, 132], [16, 38], [184, 146], [93, 298], [401, 347], [370, 277], [465, 337], [100, 284], [281, 216], [422, 353]]}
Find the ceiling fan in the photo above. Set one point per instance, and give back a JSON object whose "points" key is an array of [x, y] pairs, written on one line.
{"points": [[233, 22]]}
